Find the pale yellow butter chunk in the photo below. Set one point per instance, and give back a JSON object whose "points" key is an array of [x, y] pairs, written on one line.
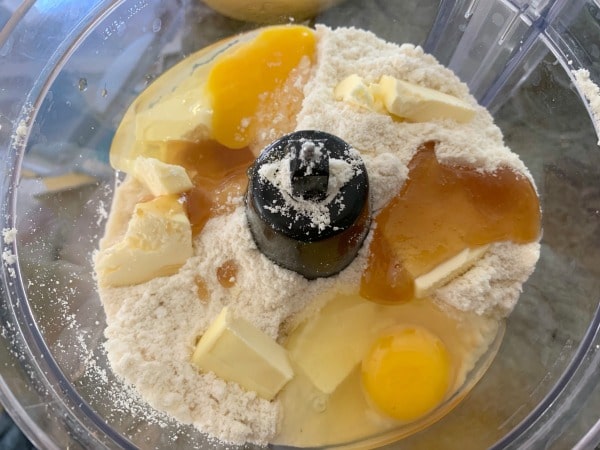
{"points": [[161, 178], [418, 103], [354, 90], [158, 241], [446, 271], [330, 346], [235, 350]]}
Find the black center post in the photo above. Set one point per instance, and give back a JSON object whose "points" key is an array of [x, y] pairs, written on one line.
{"points": [[308, 203]]}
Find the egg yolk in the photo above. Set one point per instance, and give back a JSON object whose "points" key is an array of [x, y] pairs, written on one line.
{"points": [[406, 373], [240, 80]]}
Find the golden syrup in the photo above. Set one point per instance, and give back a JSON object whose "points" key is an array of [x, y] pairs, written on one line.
{"points": [[441, 210], [227, 273], [217, 172], [202, 289]]}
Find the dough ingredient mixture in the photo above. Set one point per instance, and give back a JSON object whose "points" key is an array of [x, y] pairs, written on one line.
{"points": [[211, 331]]}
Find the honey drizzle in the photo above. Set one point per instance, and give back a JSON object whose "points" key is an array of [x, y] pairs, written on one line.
{"points": [[218, 174], [202, 290], [441, 210], [227, 273]]}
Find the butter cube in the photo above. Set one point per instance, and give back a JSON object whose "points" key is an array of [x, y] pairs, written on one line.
{"points": [[446, 271], [354, 90], [420, 104], [235, 350], [161, 178], [157, 242], [329, 347]]}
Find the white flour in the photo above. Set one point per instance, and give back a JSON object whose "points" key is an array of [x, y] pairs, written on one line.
{"points": [[9, 235], [591, 92], [9, 259], [153, 327], [278, 174]]}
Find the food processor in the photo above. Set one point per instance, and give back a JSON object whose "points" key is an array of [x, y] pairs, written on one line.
{"points": [[69, 70]]}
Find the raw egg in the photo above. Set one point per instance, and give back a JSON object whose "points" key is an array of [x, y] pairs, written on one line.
{"points": [[265, 63], [406, 373]]}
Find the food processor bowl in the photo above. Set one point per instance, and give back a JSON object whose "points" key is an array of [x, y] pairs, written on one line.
{"points": [[69, 70]]}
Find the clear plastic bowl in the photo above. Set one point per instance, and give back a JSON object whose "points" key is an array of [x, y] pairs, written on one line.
{"points": [[70, 69]]}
